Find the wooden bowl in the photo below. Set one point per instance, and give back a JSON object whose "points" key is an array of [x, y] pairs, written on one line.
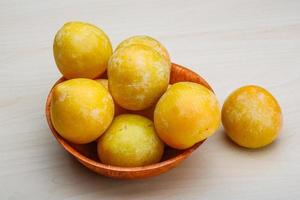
{"points": [[87, 154]]}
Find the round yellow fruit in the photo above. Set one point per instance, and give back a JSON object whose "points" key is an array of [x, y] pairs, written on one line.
{"points": [[147, 41], [81, 50], [130, 141], [118, 109], [252, 117], [137, 76], [186, 114], [81, 110]]}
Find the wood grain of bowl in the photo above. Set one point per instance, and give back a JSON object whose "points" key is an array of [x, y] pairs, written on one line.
{"points": [[87, 154]]}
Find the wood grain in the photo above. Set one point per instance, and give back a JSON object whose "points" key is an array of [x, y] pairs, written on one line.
{"points": [[231, 43]]}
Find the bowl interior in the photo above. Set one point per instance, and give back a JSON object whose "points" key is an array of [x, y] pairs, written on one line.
{"points": [[87, 153], [90, 151]]}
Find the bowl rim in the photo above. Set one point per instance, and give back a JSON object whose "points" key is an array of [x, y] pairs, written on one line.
{"points": [[65, 144]]}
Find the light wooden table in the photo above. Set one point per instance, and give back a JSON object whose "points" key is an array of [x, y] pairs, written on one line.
{"points": [[231, 43]]}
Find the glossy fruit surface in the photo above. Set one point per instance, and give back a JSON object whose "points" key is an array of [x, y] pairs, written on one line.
{"points": [[81, 50], [147, 41], [81, 110], [130, 141], [252, 117], [137, 76], [186, 114], [118, 109]]}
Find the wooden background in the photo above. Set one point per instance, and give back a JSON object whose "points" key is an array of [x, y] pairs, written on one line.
{"points": [[230, 43]]}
